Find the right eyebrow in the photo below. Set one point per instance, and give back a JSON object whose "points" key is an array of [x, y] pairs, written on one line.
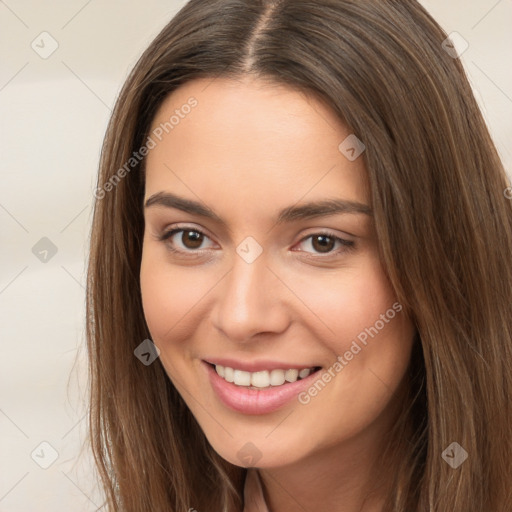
{"points": [[168, 200]]}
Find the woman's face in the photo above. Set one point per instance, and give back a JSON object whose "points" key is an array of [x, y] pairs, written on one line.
{"points": [[247, 266]]}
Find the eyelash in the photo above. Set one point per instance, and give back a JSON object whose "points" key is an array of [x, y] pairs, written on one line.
{"points": [[347, 245]]}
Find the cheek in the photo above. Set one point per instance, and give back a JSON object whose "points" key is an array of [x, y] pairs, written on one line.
{"points": [[168, 294], [347, 302], [364, 330], [171, 299], [157, 295], [370, 341]]}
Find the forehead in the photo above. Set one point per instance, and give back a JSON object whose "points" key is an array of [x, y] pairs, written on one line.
{"points": [[250, 143]]}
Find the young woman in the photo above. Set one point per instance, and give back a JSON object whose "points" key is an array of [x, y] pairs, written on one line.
{"points": [[299, 283]]}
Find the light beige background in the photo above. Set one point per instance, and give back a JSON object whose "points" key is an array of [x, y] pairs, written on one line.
{"points": [[53, 114]]}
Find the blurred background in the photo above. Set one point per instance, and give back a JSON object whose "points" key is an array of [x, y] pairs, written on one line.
{"points": [[62, 65]]}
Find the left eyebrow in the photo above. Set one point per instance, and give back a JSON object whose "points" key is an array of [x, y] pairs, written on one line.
{"points": [[321, 209], [289, 214]]}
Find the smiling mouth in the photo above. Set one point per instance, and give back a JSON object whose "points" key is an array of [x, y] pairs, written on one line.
{"points": [[262, 379]]}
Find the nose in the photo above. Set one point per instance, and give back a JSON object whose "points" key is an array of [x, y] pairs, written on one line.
{"points": [[250, 300]]}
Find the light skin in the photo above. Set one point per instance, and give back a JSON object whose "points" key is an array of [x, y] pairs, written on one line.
{"points": [[248, 150]]}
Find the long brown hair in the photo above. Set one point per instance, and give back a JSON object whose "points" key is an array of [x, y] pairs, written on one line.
{"points": [[443, 222]]}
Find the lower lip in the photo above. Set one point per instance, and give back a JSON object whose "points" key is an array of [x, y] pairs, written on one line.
{"points": [[256, 401]]}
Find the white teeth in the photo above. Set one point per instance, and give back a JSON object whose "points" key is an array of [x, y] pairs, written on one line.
{"points": [[291, 375], [229, 374], [261, 379], [242, 378], [304, 373], [276, 377]]}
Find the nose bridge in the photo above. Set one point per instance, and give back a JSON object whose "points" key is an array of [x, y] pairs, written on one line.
{"points": [[249, 300]]}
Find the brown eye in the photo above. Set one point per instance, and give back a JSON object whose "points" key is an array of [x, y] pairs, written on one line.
{"points": [[323, 243], [319, 244], [192, 239]]}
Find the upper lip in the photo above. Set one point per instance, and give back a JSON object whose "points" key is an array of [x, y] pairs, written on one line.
{"points": [[258, 365]]}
